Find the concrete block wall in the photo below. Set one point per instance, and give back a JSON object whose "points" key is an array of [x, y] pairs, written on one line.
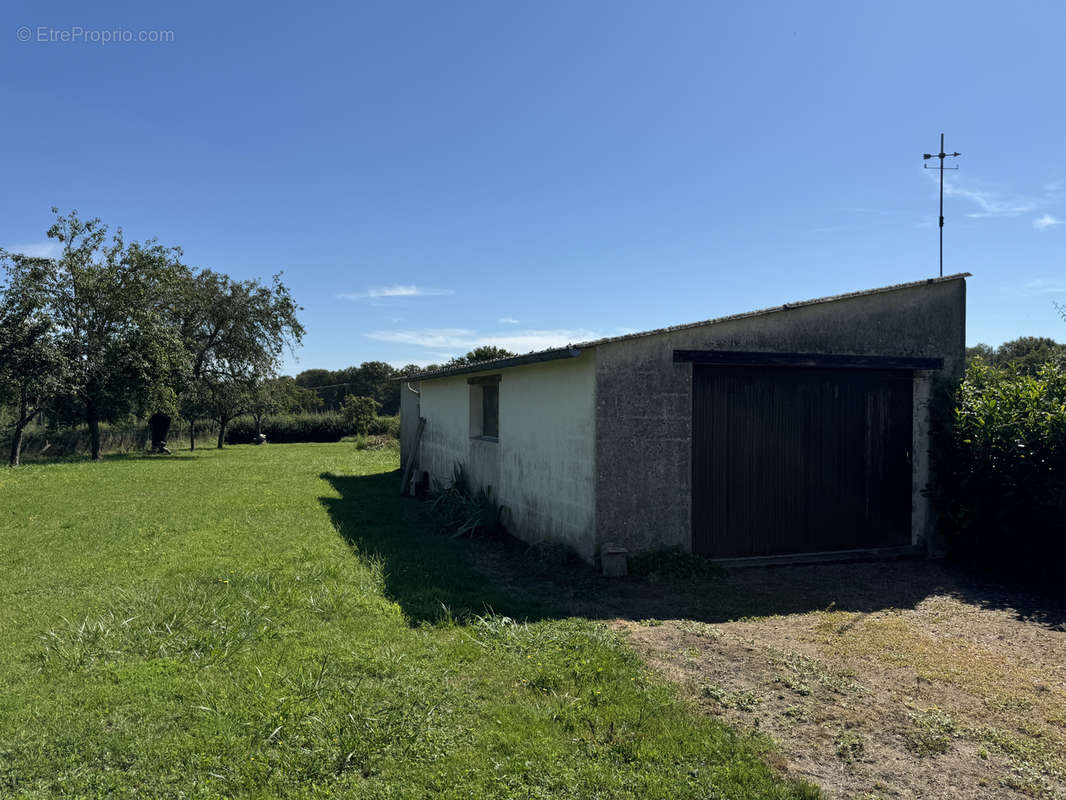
{"points": [[644, 406]]}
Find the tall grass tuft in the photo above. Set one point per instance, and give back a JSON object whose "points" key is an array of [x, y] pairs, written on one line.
{"points": [[464, 511]]}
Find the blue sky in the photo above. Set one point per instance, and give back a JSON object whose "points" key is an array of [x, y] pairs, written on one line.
{"points": [[432, 176]]}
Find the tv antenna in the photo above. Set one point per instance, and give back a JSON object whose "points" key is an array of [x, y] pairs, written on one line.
{"points": [[941, 155]]}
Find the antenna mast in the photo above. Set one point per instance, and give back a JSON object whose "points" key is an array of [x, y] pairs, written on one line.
{"points": [[941, 155]]}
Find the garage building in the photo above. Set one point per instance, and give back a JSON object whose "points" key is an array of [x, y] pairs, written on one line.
{"points": [[801, 429]]}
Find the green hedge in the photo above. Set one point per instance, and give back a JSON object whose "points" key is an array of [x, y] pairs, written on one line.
{"points": [[126, 437], [287, 428], [118, 437], [386, 426], [999, 458]]}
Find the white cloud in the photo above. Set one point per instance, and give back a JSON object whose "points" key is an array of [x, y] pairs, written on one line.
{"points": [[381, 292], [1044, 286], [507, 321], [424, 360], [881, 212], [427, 337], [1001, 204], [991, 204], [48, 249], [1055, 190], [456, 341]]}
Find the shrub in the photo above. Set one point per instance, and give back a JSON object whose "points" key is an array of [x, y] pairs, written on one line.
{"points": [[288, 428], [360, 412], [364, 441], [330, 426], [1000, 468], [386, 426], [131, 436]]}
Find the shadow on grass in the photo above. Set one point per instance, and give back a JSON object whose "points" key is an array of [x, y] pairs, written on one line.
{"points": [[431, 576], [434, 577]]}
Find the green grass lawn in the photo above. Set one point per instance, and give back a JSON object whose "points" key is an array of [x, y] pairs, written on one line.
{"points": [[276, 622]]}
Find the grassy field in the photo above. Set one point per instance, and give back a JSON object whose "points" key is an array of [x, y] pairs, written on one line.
{"points": [[276, 622]]}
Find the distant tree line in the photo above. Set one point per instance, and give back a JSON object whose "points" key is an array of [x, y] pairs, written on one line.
{"points": [[110, 328], [373, 379], [377, 380], [1024, 355]]}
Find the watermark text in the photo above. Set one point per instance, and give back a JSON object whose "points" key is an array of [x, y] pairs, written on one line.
{"points": [[78, 34]]}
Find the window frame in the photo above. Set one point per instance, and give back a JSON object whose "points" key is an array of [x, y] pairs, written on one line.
{"points": [[482, 391]]}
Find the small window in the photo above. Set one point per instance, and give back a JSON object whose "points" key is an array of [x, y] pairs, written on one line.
{"points": [[485, 407], [490, 411]]}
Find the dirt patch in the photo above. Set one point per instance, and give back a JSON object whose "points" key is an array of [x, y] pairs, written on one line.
{"points": [[960, 692], [911, 679]]}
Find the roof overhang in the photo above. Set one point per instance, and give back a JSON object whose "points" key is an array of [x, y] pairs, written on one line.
{"points": [[498, 363], [741, 358], [574, 350]]}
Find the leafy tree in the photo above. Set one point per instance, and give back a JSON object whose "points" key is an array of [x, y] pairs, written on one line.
{"points": [[225, 397], [345, 382], [1023, 356], [192, 406], [293, 398], [280, 396], [234, 332], [374, 379], [263, 402], [314, 377], [486, 352], [981, 351], [325, 383], [109, 303], [359, 412], [1027, 354], [369, 379], [34, 369]]}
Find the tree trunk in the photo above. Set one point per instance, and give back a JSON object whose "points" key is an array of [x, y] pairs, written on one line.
{"points": [[92, 416], [21, 422], [222, 432], [192, 434], [258, 424], [16, 444]]}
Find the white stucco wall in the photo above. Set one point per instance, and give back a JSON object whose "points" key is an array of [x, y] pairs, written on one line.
{"points": [[543, 465], [409, 414]]}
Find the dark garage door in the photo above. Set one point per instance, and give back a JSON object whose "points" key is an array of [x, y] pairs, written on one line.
{"points": [[799, 460]]}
